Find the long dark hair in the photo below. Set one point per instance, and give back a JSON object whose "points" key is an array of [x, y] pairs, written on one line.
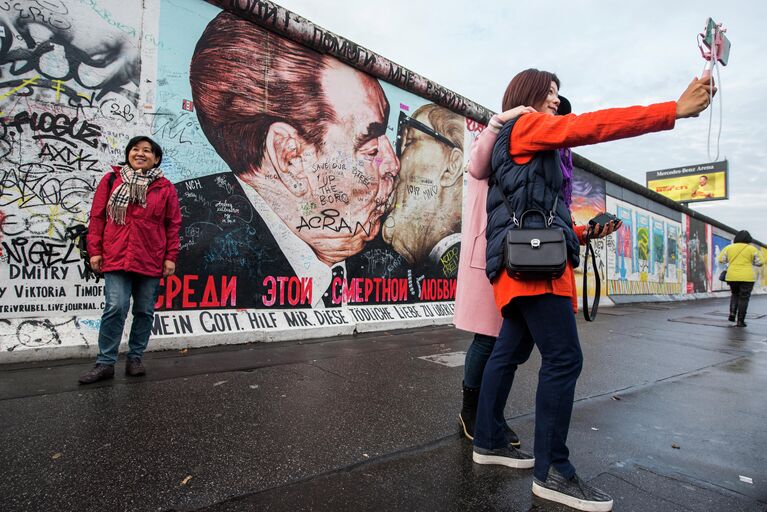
{"points": [[529, 87], [156, 149], [743, 237]]}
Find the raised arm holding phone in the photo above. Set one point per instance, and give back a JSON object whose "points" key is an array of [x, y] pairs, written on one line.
{"points": [[529, 172]]}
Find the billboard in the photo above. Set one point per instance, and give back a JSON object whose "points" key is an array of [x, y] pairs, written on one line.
{"points": [[696, 183]]}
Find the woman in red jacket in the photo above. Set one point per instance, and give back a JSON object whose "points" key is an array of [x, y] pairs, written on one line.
{"points": [[528, 171], [133, 239]]}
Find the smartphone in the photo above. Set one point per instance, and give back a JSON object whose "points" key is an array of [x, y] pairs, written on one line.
{"points": [[603, 219], [723, 49], [714, 34], [708, 38]]}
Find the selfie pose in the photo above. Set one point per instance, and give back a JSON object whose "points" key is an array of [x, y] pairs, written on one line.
{"points": [[528, 173], [133, 239]]}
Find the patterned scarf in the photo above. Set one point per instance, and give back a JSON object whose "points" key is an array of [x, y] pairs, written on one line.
{"points": [[566, 157], [131, 190]]}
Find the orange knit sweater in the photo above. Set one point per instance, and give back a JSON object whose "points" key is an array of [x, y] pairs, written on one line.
{"points": [[540, 132]]}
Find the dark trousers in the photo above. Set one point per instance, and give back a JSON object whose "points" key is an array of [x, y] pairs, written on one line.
{"points": [[476, 359], [548, 322], [740, 295]]}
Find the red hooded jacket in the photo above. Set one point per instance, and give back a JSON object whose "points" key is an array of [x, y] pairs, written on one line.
{"points": [[149, 235]]}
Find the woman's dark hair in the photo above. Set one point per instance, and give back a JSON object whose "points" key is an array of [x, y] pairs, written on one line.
{"points": [[743, 237], [156, 149], [530, 87]]}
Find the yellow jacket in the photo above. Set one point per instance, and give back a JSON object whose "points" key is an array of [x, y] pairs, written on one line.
{"points": [[740, 259]]}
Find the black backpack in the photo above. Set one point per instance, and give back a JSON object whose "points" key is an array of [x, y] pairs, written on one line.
{"points": [[79, 235]]}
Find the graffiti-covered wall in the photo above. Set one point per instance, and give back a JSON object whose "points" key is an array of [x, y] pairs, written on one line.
{"points": [[70, 95], [69, 91], [320, 189], [314, 196]]}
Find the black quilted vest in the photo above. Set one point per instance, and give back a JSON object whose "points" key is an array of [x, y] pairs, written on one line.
{"points": [[531, 185]]}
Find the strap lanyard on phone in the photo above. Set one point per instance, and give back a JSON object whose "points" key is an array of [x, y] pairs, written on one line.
{"points": [[598, 284]]}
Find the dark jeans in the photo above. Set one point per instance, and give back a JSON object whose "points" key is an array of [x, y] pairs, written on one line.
{"points": [[741, 293], [476, 359], [547, 321], [118, 289]]}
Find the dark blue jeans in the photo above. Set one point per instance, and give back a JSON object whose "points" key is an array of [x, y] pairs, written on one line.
{"points": [[547, 321], [476, 359], [118, 289]]}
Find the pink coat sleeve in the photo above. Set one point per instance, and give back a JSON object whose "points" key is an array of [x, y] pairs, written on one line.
{"points": [[481, 151]]}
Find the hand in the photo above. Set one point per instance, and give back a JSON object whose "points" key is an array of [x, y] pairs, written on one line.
{"points": [[513, 113], [695, 98], [598, 231], [96, 263], [168, 268]]}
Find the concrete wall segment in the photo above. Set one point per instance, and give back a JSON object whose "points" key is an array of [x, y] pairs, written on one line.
{"points": [[78, 78]]}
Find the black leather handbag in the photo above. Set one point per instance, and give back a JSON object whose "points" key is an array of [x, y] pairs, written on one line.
{"points": [[534, 253]]}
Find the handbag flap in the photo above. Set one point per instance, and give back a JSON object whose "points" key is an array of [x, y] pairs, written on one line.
{"points": [[525, 235]]}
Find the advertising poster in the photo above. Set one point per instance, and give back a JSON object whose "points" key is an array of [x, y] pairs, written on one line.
{"points": [[704, 182]]}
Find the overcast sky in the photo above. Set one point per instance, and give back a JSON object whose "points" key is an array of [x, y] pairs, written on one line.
{"points": [[607, 54]]}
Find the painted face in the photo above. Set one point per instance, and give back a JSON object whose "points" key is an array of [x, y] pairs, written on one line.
{"points": [[551, 103], [352, 175], [141, 157], [418, 214]]}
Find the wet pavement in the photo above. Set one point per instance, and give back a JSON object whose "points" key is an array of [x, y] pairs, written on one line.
{"points": [[670, 415]]}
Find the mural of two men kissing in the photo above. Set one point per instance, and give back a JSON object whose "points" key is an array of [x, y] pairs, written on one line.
{"points": [[329, 197]]}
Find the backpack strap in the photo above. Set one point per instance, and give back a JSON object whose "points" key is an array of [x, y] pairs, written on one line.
{"points": [[111, 181]]}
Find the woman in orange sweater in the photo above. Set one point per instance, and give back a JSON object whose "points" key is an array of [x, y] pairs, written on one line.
{"points": [[527, 169]]}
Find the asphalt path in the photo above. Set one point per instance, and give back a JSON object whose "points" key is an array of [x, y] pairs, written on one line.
{"points": [[670, 415]]}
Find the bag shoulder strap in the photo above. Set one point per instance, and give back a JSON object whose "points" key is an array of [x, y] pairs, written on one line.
{"points": [[740, 251], [731, 261], [514, 220], [598, 285]]}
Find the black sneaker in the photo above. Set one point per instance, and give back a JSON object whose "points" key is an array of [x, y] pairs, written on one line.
{"points": [[506, 456], [572, 492], [134, 367], [97, 373]]}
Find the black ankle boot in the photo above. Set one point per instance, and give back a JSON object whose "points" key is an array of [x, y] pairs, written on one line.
{"points": [[468, 414], [741, 321]]}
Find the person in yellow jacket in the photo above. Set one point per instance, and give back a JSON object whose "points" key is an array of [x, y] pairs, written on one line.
{"points": [[741, 257]]}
